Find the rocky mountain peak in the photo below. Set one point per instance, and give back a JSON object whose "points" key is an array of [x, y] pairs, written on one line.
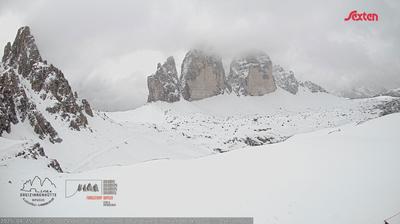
{"points": [[169, 66], [286, 80], [202, 75], [23, 50], [27, 81], [251, 74], [164, 84]]}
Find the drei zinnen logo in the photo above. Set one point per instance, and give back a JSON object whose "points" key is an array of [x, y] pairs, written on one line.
{"points": [[38, 191]]}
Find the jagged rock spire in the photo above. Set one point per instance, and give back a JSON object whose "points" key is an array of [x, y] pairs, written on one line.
{"points": [[23, 51], [164, 84]]}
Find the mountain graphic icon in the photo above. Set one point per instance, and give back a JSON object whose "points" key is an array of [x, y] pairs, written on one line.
{"points": [[38, 185]]}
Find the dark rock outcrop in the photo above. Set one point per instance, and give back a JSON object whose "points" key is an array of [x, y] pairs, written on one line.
{"points": [[42, 127], [86, 107], [314, 88], [26, 81], [8, 115], [33, 152], [202, 76], [252, 75], [55, 165], [286, 79], [36, 151], [164, 84], [389, 107]]}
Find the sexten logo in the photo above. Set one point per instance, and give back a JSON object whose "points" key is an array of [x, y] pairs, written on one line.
{"points": [[355, 16]]}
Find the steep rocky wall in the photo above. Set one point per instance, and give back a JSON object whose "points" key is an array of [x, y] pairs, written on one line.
{"points": [[202, 76], [252, 75]]}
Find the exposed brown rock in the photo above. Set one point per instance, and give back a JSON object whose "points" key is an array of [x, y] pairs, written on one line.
{"points": [[202, 76], [252, 75]]}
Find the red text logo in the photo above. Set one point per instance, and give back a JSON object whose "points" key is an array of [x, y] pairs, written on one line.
{"points": [[363, 16]]}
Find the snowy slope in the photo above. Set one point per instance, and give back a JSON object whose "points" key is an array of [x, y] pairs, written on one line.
{"points": [[184, 129], [109, 143], [347, 174]]}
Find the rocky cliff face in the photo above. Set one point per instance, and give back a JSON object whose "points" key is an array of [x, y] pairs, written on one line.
{"points": [[31, 90], [202, 76], [164, 84], [286, 80], [252, 75]]}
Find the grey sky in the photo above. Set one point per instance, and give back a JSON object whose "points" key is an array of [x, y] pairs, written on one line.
{"points": [[107, 48]]}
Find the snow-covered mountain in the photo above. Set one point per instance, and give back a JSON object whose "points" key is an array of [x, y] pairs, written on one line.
{"points": [[35, 91], [36, 99], [43, 120]]}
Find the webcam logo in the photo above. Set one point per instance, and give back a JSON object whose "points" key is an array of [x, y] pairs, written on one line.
{"points": [[38, 192]]}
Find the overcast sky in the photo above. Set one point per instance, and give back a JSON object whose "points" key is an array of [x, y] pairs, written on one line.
{"points": [[106, 49]]}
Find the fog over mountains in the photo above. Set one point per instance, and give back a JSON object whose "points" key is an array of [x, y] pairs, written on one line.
{"points": [[107, 56]]}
